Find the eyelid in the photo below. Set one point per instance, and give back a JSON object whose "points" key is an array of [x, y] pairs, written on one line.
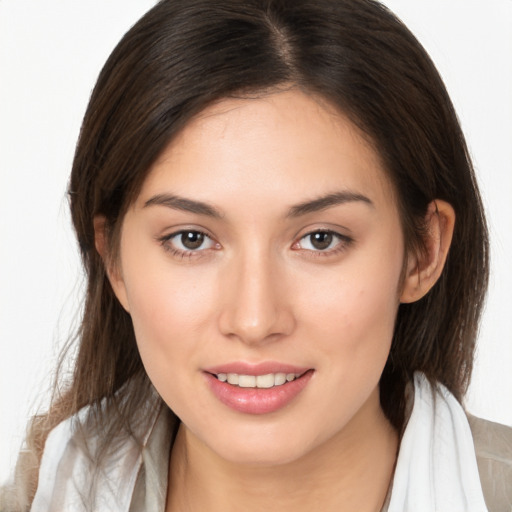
{"points": [[344, 241], [166, 242]]}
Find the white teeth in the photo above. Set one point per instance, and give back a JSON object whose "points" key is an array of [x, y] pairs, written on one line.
{"points": [[260, 381], [233, 378], [265, 381], [279, 379], [247, 381]]}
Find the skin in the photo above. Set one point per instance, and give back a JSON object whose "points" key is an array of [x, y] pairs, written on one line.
{"points": [[258, 290]]}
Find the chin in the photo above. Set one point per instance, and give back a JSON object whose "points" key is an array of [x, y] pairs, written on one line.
{"points": [[265, 447], [267, 456]]}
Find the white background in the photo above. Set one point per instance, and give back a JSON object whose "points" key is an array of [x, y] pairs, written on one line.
{"points": [[50, 54]]}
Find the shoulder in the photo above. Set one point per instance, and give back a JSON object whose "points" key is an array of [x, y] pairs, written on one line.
{"points": [[493, 447]]}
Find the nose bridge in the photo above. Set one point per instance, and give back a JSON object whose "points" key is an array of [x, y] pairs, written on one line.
{"points": [[257, 309]]}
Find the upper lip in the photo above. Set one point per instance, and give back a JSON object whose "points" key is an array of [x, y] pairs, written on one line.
{"points": [[263, 368]]}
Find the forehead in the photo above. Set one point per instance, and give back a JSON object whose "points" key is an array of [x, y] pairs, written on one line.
{"points": [[284, 147]]}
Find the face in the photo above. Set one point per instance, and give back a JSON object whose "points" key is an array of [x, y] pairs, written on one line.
{"points": [[261, 264]]}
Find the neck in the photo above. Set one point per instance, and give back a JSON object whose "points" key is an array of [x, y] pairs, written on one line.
{"points": [[351, 471]]}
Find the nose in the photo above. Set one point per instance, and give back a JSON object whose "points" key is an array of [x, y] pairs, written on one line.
{"points": [[255, 308]]}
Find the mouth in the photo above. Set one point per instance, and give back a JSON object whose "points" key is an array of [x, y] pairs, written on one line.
{"points": [[267, 381], [258, 390]]}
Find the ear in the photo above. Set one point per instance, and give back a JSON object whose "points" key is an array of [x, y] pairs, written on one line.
{"points": [[423, 270], [112, 269]]}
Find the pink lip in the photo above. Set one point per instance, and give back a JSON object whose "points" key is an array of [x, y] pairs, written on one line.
{"points": [[263, 368], [257, 400]]}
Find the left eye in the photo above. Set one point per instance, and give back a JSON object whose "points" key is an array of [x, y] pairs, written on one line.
{"points": [[320, 241], [190, 241]]}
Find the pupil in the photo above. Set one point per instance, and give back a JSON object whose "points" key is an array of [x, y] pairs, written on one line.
{"points": [[321, 240], [192, 239]]}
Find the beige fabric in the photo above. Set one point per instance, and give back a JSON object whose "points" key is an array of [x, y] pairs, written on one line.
{"points": [[493, 446]]}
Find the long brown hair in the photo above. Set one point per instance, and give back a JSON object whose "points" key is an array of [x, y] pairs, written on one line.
{"points": [[185, 54]]}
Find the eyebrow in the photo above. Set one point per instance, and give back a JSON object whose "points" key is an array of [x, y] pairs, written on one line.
{"points": [[327, 201], [201, 208], [184, 204]]}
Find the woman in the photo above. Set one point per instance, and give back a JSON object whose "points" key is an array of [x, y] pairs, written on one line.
{"points": [[286, 250]]}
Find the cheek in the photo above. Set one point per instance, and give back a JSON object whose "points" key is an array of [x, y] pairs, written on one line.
{"points": [[353, 311], [167, 318], [168, 307]]}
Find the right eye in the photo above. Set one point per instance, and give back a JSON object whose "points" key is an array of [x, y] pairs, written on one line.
{"points": [[187, 241]]}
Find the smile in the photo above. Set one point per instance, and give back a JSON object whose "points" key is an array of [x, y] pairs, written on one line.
{"points": [[267, 381], [257, 390]]}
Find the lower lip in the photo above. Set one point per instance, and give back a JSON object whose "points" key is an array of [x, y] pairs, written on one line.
{"points": [[257, 400]]}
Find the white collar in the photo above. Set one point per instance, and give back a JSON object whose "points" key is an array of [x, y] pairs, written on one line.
{"points": [[436, 470]]}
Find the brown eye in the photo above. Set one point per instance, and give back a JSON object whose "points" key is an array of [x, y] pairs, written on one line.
{"points": [[324, 241], [192, 239], [321, 240], [187, 241]]}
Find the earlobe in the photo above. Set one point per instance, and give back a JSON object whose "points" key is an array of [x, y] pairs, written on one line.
{"points": [[99, 235], [112, 269], [423, 269]]}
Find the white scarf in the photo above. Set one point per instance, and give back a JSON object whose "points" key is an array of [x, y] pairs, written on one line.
{"points": [[436, 469]]}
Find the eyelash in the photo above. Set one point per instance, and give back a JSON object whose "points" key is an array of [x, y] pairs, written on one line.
{"points": [[166, 242], [343, 243]]}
